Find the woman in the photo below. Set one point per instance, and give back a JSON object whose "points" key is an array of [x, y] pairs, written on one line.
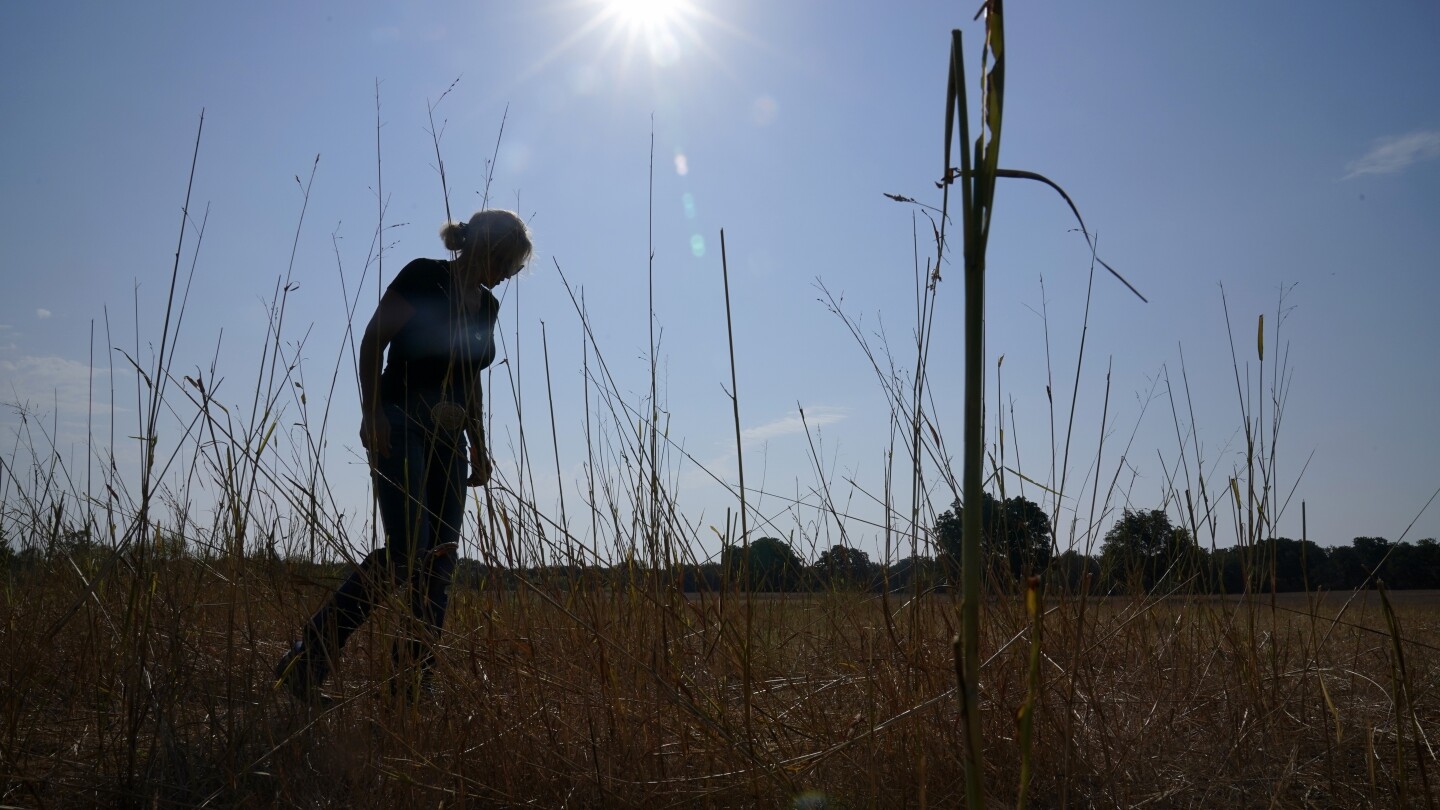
{"points": [[437, 319]]}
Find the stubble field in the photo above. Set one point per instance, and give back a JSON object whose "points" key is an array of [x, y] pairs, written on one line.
{"points": [[155, 689]]}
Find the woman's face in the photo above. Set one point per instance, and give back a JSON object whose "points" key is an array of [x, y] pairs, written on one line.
{"points": [[485, 271]]}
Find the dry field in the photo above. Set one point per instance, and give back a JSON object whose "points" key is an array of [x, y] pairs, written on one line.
{"points": [[155, 690], [133, 675]]}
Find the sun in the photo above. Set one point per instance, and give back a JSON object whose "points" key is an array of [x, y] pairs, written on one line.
{"points": [[652, 27], [646, 15], [658, 34]]}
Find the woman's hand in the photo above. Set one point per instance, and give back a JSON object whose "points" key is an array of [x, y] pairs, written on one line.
{"points": [[375, 434], [479, 466]]}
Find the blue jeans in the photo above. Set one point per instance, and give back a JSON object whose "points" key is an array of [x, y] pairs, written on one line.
{"points": [[420, 494]]}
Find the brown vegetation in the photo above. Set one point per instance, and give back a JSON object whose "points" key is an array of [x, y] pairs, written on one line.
{"points": [[155, 690]]}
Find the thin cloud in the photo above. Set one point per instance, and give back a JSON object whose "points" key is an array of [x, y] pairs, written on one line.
{"points": [[791, 423], [42, 313], [43, 383], [1396, 153]]}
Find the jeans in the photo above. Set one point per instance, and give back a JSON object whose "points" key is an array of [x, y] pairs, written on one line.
{"points": [[420, 494]]}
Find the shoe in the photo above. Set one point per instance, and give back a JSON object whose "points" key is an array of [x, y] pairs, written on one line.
{"points": [[298, 675]]}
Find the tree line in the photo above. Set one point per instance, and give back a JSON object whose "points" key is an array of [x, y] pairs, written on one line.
{"points": [[1145, 552], [1142, 552]]}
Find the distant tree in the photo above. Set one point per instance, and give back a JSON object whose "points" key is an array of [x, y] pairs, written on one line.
{"points": [[1428, 563], [915, 574], [1412, 565], [772, 565], [1345, 568], [1226, 570], [1014, 535], [1372, 550], [1143, 549], [845, 567], [1292, 565], [1352, 566], [1075, 570], [702, 578]]}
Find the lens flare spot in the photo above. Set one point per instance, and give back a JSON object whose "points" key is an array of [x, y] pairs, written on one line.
{"points": [[764, 111], [682, 164], [697, 246], [688, 201]]}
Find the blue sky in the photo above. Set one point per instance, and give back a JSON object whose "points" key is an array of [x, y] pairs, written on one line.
{"points": [[1262, 147]]}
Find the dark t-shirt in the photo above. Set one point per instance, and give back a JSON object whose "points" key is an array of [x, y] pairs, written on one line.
{"points": [[440, 351]]}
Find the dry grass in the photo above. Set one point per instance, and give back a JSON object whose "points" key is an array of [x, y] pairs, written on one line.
{"points": [[158, 693]]}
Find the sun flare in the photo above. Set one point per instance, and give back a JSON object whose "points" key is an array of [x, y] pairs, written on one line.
{"points": [[653, 27], [627, 34], [645, 14]]}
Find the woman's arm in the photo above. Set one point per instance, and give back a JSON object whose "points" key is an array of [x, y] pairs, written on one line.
{"points": [[392, 314], [475, 432]]}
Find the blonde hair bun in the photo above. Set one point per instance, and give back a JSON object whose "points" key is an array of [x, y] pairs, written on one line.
{"points": [[453, 235]]}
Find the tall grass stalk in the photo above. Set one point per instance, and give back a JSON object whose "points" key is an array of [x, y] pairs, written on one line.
{"points": [[977, 198], [747, 672]]}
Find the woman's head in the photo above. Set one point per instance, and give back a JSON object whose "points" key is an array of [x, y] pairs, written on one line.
{"points": [[493, 245]]}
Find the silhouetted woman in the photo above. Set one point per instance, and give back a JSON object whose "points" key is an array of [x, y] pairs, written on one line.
{"points": [[437, 321]]}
